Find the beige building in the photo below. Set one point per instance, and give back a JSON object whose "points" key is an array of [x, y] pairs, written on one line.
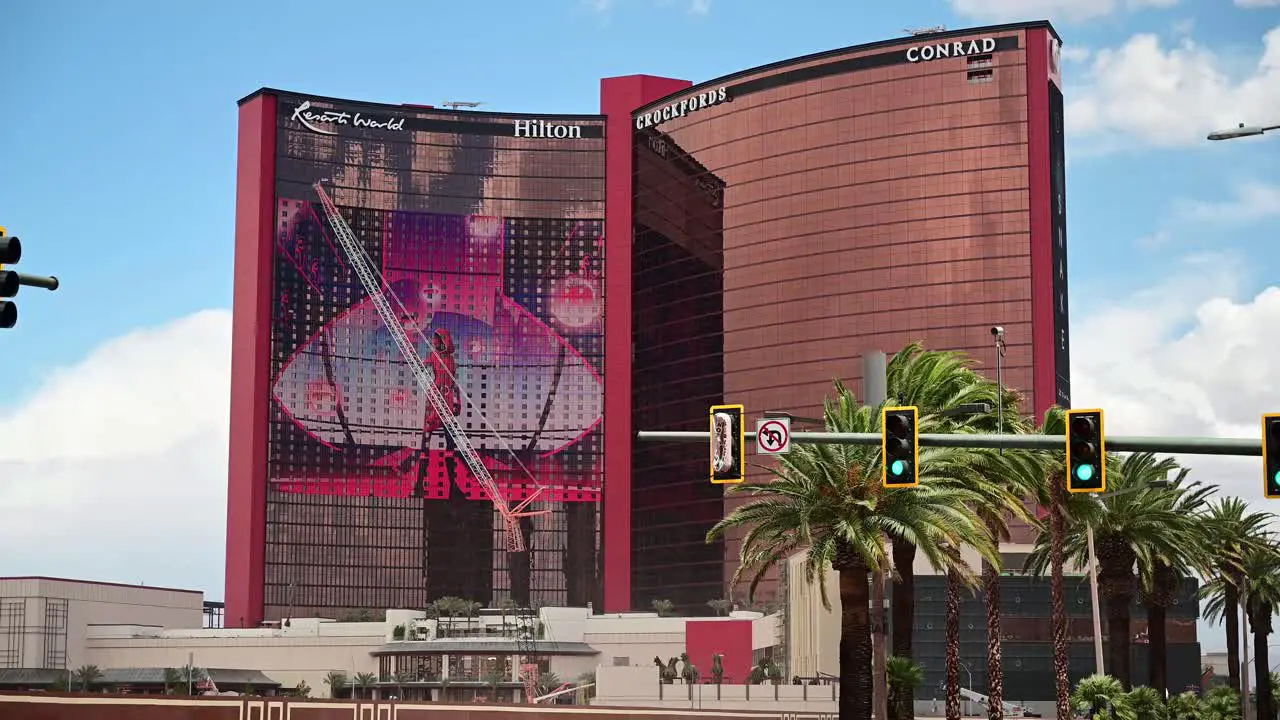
{"points": [[47, 622], [133, 633]]}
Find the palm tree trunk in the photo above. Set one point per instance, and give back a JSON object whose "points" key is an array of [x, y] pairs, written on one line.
{"points": [[1260, 621], [1119, 636], [1157, 649], [995, 673], [1231, 611], [855, 642], [902, 617], [1058, 623], [953, 646], [904, 597]]}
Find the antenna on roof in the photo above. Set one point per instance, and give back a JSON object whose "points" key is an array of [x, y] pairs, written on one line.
{"points": [[925, 31], [455, 104]]}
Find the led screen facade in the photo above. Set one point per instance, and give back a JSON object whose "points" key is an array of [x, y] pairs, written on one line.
{"points": [[487, 234]]}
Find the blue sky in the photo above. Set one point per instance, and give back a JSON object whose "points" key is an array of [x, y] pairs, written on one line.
{"points": [[118, 146]]}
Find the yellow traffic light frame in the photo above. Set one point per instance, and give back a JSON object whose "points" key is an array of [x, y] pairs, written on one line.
{"points": [[1266, 481], [1102, 449], [915, 446], [741, 412]]}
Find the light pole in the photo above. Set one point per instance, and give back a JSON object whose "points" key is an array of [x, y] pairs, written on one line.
{"points": [[1093, 575], [969, 673], [998, 333], [1241, 131]]}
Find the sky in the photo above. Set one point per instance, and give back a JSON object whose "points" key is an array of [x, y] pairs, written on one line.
{"points": [[118, 144]]}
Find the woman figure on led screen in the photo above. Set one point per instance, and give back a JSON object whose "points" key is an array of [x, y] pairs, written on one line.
{"points": [[444, 370]]}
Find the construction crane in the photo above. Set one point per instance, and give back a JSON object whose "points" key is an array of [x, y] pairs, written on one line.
{"points": [[372, 283], [926, 31], [455, 104]]}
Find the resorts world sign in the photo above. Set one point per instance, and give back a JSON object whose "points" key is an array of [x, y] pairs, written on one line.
{"points": [[957, 48]]}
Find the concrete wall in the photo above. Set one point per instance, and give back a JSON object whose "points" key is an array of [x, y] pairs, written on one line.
{"points": [[307, 650], [639, 687], [99, 707]]}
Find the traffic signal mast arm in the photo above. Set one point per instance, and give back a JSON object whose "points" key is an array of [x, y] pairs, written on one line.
{"points": [[359, 263], [1243, 447]]}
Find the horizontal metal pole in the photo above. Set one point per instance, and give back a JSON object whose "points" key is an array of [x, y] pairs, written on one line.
{"points": [[1117, 443], [40, 281]]}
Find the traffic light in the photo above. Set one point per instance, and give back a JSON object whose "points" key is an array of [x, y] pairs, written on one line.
{"points": [[1271, 454], [900, 444], [10, 254], [1086, 452], [728, 443]]}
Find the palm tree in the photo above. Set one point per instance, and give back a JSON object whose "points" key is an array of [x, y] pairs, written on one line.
{"points": [[1099, 695], [337, 682], [904, 676], [827, 501], [934, 381], [1054, 497], [1231, 529], [364, 681], [1004, 479], [87, 675], [172, 679], [1134, 519], [1262, 599], [1160, 569], [720, 606], [664, 608]]}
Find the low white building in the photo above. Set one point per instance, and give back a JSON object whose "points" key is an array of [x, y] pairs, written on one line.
{"points": [[133, 633]]}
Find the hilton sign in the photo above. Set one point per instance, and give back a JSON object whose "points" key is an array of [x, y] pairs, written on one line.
{"points": [[957, 48], [544, 129]]}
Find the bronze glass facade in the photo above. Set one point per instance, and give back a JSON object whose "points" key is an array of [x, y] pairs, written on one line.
{"points": [[864, 200]]}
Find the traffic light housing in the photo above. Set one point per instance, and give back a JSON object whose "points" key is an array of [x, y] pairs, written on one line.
{"points": [[900, 446], [1086, 452], [10, 254], [1271, 455], [728, 444]]}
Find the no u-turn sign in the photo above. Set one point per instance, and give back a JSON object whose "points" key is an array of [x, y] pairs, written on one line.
{"points": [[773, 435]]}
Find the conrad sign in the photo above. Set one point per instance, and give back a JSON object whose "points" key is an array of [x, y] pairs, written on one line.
{"points": [[956, 48], [683, 107]]}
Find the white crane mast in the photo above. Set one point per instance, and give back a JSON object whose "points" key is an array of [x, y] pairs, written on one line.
{"points": [[373, 286]]}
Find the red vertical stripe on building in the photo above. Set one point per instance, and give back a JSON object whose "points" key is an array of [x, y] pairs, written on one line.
{"points": [[619, 97], [250, 363], [1044, 378]]}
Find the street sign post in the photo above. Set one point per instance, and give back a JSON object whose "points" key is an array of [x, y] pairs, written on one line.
{"points": [[773, 436]]}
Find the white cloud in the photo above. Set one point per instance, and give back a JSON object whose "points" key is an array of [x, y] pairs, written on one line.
{"points": [[693, 7], [1251, 201], [116, 468], [1144, 93], [1064, 10], [1252, 4], [699, 7], [1185, 358]]}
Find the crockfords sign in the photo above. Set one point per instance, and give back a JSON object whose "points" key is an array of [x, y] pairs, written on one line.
{"points": [[682, 108], [544, 129], [316, 119], [958, 48]]}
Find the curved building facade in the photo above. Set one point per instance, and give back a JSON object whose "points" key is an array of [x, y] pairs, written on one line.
{"points": [[571, 279], [788, 219]]}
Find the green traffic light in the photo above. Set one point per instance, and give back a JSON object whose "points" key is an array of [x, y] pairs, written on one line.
{"points": [[897, 467], [1276, 479], [1084, 473]]}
